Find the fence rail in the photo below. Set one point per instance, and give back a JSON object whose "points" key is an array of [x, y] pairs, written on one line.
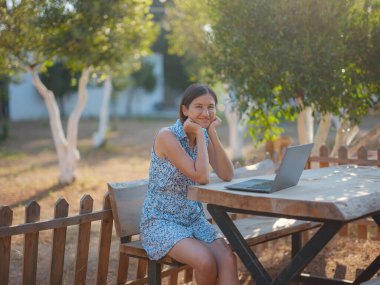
{"points": [[363, 157], [364, 228], [31, 228]]}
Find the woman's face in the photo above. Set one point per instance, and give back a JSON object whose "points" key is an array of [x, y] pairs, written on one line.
{"points": [[202, 110]]}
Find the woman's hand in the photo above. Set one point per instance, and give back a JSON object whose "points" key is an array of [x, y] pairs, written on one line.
{"points": [[191, 127], [214, 124]]}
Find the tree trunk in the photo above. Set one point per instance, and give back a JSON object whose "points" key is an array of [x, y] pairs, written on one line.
{"points": [[59, 138], [309, 124], [344, 135], [305, 126], [69, 173], [322, 133], [4, 107], [99, 137], [236, 129], [371, 136], [66, 148], [236, 134]]}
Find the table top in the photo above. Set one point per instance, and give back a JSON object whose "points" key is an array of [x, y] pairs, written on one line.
{"points": [[342, 193]]}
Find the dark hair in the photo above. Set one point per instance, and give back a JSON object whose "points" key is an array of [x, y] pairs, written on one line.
{"points": [[192, 92]]}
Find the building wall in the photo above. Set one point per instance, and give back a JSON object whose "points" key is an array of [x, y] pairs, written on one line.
{"points": [[25, 103]]}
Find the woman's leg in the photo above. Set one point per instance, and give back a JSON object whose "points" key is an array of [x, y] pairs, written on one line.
{"points": [[226, 262], [200, 257]]}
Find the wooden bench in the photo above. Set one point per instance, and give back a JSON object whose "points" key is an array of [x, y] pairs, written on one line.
{"points": [[126, 201]]}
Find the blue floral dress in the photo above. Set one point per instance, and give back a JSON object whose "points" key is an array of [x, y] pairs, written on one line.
{"points": [[167, 215]]}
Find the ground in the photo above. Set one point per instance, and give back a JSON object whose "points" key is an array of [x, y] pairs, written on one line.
{"points": [[28, 171]]}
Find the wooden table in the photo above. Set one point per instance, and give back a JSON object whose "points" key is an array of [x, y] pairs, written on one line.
{"points": [[333, 196]]}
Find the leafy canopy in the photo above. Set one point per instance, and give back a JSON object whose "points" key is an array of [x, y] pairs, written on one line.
{"points": [[283, 55], [80, 33]]}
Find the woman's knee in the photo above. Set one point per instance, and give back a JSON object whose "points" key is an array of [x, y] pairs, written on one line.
{"points": [[206, 264], [229, 258], [224, 254]]}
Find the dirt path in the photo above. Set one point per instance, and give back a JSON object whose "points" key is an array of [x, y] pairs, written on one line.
{"points": [[28, 171]]}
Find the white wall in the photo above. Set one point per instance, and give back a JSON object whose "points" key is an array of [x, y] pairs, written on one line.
{"points": [[25, 103], [143, 103]]}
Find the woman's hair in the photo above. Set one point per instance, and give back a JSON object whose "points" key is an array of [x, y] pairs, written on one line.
{"points": [[192, 92]]}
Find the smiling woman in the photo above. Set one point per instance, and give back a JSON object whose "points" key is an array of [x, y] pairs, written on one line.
{"points": [[171, 224]]}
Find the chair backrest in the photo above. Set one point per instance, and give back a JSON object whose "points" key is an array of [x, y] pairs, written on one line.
{"points": [[127, 199]]}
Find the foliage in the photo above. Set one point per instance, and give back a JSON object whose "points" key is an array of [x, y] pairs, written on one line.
{"points": [[99, 33], [79, 33], [59, 79], [22, 41], [363, 51], [283, 55], [188, 24], [144, 77]]}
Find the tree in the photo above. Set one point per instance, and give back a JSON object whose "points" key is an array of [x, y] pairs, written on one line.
{"points": [[286, 59], [87, 36]]}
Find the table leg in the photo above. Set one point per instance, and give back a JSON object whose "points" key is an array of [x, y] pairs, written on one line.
{"points": [[374, 267], [376, 218], [296, 243], [369, 271], [300, 260], [308, 252], [240, 246]]}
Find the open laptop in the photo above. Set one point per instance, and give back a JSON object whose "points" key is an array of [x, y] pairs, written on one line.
{"points": [[288, 174]]}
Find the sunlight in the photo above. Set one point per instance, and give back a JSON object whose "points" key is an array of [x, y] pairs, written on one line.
{"points": [[69, 7], [12, 3], [207, 28], [282, 222]]}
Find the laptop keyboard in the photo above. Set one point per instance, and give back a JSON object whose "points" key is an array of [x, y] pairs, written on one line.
{"points": [[263, 185]]}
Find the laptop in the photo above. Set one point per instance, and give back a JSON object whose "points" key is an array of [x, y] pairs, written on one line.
{"points": [[288, 174]]}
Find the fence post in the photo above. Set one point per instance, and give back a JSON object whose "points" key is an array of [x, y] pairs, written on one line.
{"points": [[342, 155], [32, 214], [83, 242], [363, 154], [323, 153], [61, 209], [6, 216], [104, 244]]}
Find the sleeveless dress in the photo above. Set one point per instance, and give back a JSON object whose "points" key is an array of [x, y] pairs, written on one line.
{"points": [[167, 215]]}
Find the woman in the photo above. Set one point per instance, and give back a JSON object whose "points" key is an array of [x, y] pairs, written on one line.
{"points": [[171, 224]]}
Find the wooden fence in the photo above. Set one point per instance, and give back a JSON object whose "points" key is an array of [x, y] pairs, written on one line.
{"points": [[32, 227], [363, 229], [58, 225]]}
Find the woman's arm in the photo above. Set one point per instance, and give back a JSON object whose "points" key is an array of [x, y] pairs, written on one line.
{"points": [[167, 146], [218, 157]]}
